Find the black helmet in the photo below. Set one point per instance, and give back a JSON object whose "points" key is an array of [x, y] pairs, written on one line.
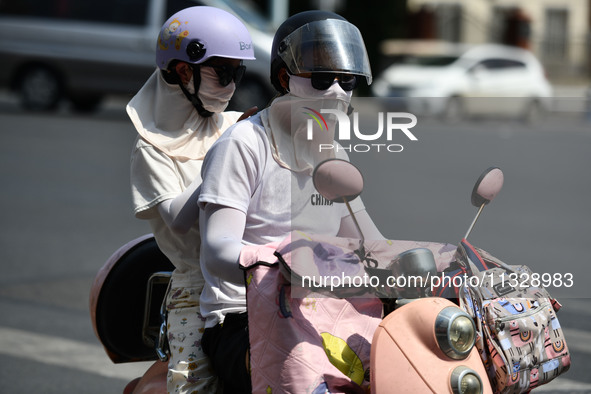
{"points": [[318, 41]]}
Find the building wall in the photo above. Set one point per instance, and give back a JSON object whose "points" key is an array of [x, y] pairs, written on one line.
{"points": [[559, 30]]}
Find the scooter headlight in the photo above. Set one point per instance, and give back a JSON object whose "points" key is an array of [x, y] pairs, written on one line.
{"points": [[464, 380], [455, 332]]}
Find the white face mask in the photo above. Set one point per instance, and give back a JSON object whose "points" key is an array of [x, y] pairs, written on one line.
{"points": [[166, 119], [214, 97], [286, 122]]}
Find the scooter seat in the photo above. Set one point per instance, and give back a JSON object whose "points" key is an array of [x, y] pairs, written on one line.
{"points": [[118, 299]]}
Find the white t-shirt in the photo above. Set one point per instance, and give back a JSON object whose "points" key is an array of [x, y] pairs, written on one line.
{"points": [[156, 177], [240, 172]]}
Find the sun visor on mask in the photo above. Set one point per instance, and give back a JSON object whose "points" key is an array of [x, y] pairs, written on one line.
{"points": [[326, 46]]}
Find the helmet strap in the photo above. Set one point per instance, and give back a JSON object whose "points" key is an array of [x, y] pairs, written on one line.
{"points": [[194, 98]]}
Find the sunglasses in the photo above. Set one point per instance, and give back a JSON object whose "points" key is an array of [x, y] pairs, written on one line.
{"points": [[322, 81], [228, 73]]}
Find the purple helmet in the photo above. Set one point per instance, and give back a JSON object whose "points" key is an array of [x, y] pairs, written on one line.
{"points": [[196, 34]]}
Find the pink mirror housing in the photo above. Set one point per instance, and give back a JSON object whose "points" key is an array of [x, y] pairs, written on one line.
{"points": [[338, 180]]}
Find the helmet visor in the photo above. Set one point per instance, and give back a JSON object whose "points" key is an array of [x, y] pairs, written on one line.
{"points": [[329, 45]]}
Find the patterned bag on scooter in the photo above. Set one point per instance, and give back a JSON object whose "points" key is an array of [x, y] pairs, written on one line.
{"points": [[518, 334]]}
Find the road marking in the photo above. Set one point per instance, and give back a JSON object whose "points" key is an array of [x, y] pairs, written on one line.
{"points": [[93, 359], [66, 353], [561, 385], [577, 340]]}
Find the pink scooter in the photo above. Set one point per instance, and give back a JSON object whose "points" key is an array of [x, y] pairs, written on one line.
{"points": [[425, 344]]}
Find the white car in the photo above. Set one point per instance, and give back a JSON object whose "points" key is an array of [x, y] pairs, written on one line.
{"points": [[464, 80], [82, 51]]}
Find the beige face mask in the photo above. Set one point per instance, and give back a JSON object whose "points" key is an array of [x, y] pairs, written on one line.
{"points": [[164, 117], [288, 119], [190, 86], [214, 97]]}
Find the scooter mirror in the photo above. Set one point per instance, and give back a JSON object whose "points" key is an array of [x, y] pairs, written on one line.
{"points": [[487, 186], [485, 190], [338, 180]]}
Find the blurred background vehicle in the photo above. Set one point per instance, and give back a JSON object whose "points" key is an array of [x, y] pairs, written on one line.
{"points": [[457, 80], [52, 50]]}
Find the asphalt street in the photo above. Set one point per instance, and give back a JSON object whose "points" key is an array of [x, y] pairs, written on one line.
{"points": [[66, 207]]}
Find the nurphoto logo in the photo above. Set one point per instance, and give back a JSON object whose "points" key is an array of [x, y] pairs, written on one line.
{"points": [[389, 125]]}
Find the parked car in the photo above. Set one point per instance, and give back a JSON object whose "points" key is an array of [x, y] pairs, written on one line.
{"points": [[82, 51], [454, 80]]}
